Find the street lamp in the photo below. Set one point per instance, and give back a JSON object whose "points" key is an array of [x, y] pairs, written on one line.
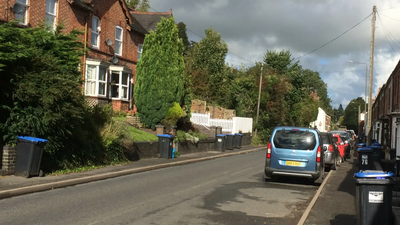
{"points": [[366, 81]]}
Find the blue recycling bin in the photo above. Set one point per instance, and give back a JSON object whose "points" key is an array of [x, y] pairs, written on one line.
{"points": [[165, 142], [29, 156], [376, 152], [237, 140], [220, 145], [229, 141], [364, 158], [374, 190], [360, 145]]}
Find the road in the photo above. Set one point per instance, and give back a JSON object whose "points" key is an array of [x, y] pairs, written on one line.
{"points": [[227, 190]]}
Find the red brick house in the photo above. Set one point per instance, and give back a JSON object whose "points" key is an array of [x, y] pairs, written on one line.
{"points": [[112, 37]]}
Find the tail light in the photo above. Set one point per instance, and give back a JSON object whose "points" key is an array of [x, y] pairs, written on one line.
{"points": [[269, 151], [330, 148], [319, 154]]}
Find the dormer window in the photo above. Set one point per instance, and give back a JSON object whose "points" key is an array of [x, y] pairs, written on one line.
{"points": [[22, 14], [95, 32]]}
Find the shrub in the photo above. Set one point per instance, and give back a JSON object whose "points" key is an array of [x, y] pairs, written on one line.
{"points": [[116, 139], [172, 116]]}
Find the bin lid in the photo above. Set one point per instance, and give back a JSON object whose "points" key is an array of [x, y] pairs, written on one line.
{"points": [[376, 144], [361, 144], [221, 135], [32, 139], [239, 134], [373, 174], [365, 149], [229, 134], [165, 135]]}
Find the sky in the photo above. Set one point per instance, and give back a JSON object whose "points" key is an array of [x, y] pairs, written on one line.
{"points": [[323, 35]]}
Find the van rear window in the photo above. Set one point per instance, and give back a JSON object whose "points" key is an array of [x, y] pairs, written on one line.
{"points": [[294, 139]]}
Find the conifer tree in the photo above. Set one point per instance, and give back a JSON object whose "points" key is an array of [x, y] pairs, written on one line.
{"points": [[160, 73]]}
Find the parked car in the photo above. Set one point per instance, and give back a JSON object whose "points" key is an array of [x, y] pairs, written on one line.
{"points": [[347, 140], [332, 157], [340, 145], [295, 151]]}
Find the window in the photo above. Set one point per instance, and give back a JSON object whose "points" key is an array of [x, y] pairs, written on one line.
{"points": [[115, 85], [51, 14], [118, 40], [22, 14], [102, 81], [95, 84], [140, 50], [125, 85], [95, 31], [294, 139], [91, 80]]}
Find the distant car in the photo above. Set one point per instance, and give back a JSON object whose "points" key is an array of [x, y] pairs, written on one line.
{"points": [[331, 152], [340, 145], [347, 140], [295, 151]]}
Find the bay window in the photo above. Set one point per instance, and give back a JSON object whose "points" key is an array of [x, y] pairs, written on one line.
{"points": [[96, 80], [121, 83]]}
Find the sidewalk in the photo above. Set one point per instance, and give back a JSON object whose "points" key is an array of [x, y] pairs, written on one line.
{"points": [[15, 185], [336, 203]]}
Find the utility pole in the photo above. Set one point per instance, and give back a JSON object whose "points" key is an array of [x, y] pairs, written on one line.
{"points": [[259, 96], [365, 95], [371, 69]]}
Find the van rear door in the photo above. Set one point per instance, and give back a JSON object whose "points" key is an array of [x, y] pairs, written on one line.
{"points": [[294, 149]]}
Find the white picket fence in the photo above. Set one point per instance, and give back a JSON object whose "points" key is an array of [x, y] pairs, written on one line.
{"points": [[231, 126]]}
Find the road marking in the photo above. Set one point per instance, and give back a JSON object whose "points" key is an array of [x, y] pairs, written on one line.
{"points": [[313, 201]]}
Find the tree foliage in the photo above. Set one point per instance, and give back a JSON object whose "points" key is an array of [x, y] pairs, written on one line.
{"points": [[41, 96], [139, 5], [183, 35], [160, 73], [350, 117], [209, 66]]}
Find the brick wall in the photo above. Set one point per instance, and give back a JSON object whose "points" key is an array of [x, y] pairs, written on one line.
{"points": [[9, 160], [198, 106]]}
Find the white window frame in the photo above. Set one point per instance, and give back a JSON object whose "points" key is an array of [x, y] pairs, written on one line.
{"points": [[118, 42], [98, 82], [96, 31], [91, 81], [122, 70], [22, 16], [53, 14], [140, 51]]}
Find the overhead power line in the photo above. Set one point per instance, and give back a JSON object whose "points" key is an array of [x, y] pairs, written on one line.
{"points": [[387, 35], [334, 38]]}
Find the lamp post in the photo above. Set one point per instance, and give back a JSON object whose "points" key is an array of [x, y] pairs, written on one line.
{"points": [[366, 81]]}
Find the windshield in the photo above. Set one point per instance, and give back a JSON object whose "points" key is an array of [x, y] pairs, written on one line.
{"points": [[294, 139], [335, 139]]}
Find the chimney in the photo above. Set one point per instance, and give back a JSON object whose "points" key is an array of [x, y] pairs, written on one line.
{"points": [[170, 11]]}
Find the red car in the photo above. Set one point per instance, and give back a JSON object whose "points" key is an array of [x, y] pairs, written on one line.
{"points": [[340, 145]]}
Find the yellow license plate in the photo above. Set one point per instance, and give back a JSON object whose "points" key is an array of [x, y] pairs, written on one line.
{"points": [[292, 163]]}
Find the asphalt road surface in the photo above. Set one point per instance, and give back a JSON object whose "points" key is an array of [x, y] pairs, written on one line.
{"points": [[226, 190]]}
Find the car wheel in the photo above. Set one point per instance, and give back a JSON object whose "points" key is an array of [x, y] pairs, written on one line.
{"points": [[320, 179], [266, 179]]}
